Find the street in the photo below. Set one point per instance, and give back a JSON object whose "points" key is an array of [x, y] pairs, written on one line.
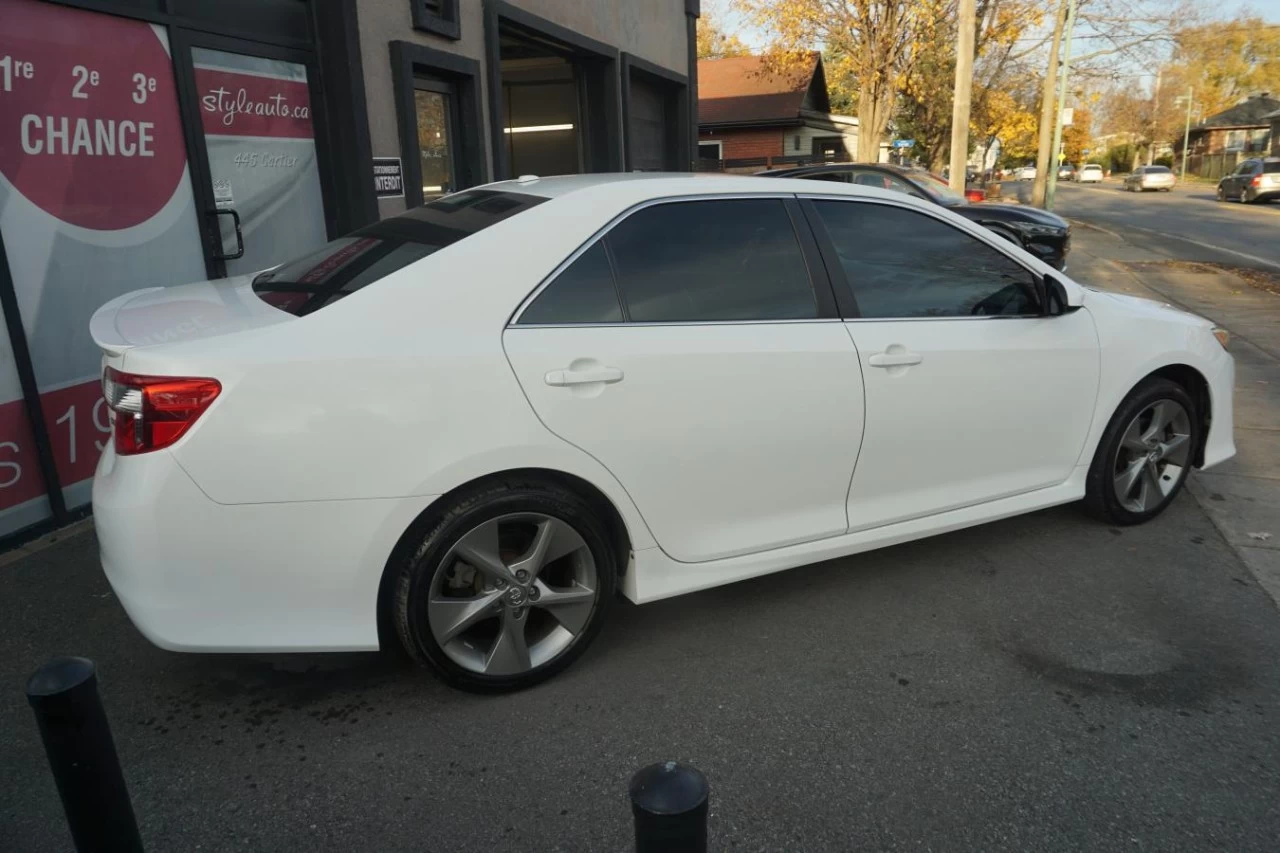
{"points": [[1187, 223], [1045, 682]]}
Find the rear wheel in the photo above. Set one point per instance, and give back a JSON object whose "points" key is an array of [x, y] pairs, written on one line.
{"points": [[508, 588], [1145, 454]]}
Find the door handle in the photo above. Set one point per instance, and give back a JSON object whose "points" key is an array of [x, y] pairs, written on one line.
{"points": [[898, 358], [562, 378], [235, 221]]}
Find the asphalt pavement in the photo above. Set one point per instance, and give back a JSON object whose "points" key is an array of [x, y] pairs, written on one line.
{"points": [[1042, 683], [1188, 223]]}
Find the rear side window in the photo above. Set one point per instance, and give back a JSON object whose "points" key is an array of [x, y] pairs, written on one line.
{"points": [[582, 293], [904, 264], [343, 266], [1271, 167], [732, 259]]}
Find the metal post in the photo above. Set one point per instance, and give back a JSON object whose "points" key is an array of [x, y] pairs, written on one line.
{"points": [[669, 802], [1186, 133], [77, 740], [1051, 187]]}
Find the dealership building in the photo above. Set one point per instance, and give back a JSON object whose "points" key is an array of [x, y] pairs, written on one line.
{"points": [[146, 143]]}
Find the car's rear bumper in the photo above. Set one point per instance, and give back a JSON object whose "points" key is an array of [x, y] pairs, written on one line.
{"points": [[195, 575]]}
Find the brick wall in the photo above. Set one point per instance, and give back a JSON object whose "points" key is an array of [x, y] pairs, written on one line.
{"points": [[765, 142]]}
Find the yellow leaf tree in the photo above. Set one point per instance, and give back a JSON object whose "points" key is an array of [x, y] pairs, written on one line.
{"points": [[713, 42], [871, 43]]}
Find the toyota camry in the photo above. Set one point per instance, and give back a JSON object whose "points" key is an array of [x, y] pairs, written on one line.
{"points": [[465, 429]]}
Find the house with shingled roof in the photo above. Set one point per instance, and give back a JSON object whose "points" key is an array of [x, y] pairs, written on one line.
{"points": [[748, 112]]}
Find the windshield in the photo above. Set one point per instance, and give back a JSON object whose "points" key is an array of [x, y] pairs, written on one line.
{"points": [[345, 265], [938, 188]]}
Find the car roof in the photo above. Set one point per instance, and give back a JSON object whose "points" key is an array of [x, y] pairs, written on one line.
{"points": [[635, 187]]}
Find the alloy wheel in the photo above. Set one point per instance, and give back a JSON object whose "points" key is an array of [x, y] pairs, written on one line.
{"points": [[513, 594], [1153, 454]]}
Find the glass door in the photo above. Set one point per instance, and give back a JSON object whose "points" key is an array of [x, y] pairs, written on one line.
{"points": [[258, 165], [433, 103]]}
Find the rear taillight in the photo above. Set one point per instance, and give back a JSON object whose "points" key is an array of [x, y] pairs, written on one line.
{"points": [[151, 412], [975, 195], [1257, 181]]}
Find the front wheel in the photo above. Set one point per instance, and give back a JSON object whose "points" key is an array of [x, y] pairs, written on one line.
{"points": [[1222, 196], [509, 587], [1145, 454]]}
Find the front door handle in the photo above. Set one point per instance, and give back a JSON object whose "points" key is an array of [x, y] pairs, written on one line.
{"points": [[895, 356], [569, 376]]}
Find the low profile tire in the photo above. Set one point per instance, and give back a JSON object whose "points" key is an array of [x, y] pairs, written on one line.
{"points": [[508, 587], [1145, 454]]}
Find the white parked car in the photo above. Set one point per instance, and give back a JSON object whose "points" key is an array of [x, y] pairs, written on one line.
{"points": [[472, 423], [1090, 173], [1026, 173], [1146, 178]]}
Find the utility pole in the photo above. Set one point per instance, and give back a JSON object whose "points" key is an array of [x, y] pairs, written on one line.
{"points": [[1186, 132], [1051, 185], [1155, 119], [963, 93], [1047, 98]]}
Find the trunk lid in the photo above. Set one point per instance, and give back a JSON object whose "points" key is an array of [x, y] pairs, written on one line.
{"points": [[162, 315]]}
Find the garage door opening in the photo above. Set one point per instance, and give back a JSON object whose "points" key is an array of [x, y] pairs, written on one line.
{"points": [[554, 98]]}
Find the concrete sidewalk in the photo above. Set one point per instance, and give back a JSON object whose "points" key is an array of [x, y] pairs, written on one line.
{"points": [[1241, 496]]}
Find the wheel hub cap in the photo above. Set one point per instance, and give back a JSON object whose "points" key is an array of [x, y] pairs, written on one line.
{"points": [[533, 595], [1154, 451]]}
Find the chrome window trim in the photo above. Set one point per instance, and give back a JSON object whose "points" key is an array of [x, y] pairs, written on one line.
{"points": [[514, 321], [982, 234]]}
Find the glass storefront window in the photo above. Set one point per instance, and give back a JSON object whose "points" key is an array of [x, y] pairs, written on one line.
{"points": [[433, 142]]}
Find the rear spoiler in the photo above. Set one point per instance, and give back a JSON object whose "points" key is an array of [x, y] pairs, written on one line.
{"points": [[102, 325]]}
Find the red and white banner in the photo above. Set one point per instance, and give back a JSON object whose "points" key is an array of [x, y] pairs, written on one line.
{"points": [[95, 201]]}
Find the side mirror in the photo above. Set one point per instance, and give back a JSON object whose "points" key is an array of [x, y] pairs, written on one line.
{"points": [[1058, 297]]}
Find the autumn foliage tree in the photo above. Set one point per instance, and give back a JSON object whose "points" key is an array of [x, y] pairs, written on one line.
{"points": [[712, 40], [872, 43]]}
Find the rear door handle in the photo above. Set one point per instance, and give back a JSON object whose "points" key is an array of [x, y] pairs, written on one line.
{"points": [[900, 358], [561, 378]]}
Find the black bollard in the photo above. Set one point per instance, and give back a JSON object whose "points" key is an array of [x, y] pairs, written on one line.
{"points": [[77, 739], [669, 801]]}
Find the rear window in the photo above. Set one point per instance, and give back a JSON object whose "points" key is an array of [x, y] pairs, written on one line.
{"points": [[1157, 170], [345, 265], [1271, 167], [1092, 169]]}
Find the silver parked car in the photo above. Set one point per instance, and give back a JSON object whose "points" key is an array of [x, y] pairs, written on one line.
{"points": [[1150, 178]]}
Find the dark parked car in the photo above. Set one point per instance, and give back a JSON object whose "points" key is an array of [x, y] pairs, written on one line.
{"points": [[1253, 180], [1043, 234]]}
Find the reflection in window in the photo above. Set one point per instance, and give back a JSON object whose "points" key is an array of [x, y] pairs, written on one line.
{"points": [[904, 264], [433, 143], [712, 260]]}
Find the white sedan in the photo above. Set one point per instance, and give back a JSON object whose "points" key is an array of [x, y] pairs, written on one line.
{"points": [[469, 425], [1026, 173]]}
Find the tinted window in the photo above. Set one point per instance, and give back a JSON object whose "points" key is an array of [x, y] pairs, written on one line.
{"points": [[1157, 170], [1271, 166], [582, 293], [711, 260], [343, 266], [901, 263], [880, 180]]}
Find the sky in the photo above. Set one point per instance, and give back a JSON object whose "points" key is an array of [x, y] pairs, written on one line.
{"points": [[1268, 9]]}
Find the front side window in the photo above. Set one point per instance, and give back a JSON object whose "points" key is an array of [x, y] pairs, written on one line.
{"points": [[715, 260], [904, 264]]}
